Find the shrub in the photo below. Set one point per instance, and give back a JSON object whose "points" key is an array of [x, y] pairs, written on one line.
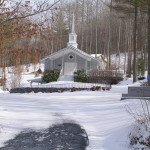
{"points": [[105, 77], [80, 76], [51, 75], [16, 76], [73, 89], [98, 76], [139, 136], [141, 66]]}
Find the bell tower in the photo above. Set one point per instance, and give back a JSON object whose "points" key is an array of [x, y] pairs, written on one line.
{"points": [[73, 35]]}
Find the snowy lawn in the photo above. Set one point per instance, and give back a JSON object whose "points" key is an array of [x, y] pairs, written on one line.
{"points": [[100, 113]]}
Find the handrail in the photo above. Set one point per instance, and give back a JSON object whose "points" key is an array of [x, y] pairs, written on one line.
{"points": [[61, 73]]}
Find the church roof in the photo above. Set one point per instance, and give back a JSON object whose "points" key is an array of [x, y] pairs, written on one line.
{"points": [[67, 50]]}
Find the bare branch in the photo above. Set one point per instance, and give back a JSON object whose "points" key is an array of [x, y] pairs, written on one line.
{"points": [[2, 2], [38, 11]]}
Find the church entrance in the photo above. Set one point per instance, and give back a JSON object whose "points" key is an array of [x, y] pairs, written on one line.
{"points": [[70, 68]]}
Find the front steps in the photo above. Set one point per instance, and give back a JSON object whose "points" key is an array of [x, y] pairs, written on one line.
{"points": [[66, 78]]}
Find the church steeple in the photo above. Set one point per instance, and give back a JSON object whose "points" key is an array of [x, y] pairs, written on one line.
{"points": [[73, 26], [73, 35]]}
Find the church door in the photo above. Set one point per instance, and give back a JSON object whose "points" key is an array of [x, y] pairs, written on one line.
{"points": [[70, 68]]}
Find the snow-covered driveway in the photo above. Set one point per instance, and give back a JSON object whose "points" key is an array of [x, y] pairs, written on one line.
{"points": [[101, 113]]}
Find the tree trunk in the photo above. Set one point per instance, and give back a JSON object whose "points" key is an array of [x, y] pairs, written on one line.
{"points": [[148, 41], [135, 41], [82, 33], [96, 49], [118, 45], [109, 38]]}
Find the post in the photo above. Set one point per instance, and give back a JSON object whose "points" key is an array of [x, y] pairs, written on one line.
{"points": [[52, 64], [63, 65], [86, 65]]}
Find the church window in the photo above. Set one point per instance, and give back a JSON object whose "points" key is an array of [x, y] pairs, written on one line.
{"points": [[70, 56]]}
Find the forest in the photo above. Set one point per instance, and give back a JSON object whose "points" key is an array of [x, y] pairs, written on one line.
{"points": [[30, 30]]}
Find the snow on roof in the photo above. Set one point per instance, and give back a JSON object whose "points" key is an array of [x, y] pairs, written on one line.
{"points": [[73, 49], [58, 53], [103, 58], [93, 55]]}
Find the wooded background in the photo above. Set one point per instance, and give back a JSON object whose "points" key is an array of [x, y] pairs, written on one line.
{"points": [[30, 31]]}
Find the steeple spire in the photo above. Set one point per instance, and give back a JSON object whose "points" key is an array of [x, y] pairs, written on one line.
{"points": [[73, 35], [73, 26]]}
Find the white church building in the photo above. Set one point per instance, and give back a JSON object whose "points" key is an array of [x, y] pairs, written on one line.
{"points": [[71, 59]]}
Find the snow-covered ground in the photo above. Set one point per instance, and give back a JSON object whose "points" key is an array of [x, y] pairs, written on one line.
{"points": [[101, 113]]}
